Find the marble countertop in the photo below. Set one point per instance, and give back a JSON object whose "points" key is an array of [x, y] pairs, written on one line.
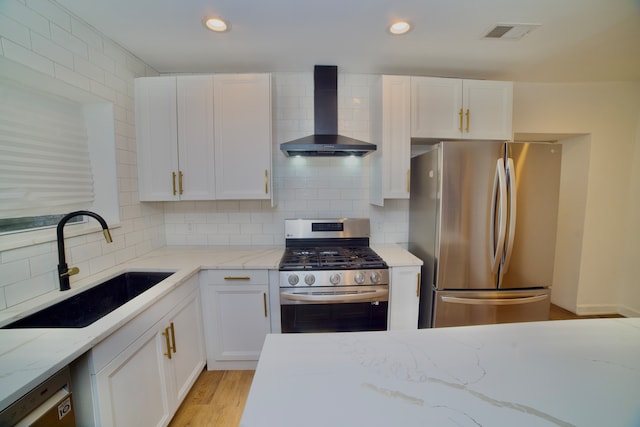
{"points": [[554, 373], [29, 356]]}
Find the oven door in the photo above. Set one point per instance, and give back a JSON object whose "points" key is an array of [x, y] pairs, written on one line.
{"points": [[334, 309]]}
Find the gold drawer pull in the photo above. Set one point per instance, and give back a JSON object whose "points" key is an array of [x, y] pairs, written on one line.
{"points": [[264, 300], [173, 338], [467, 114], [167, 342], [237, 278], [173, 181]]}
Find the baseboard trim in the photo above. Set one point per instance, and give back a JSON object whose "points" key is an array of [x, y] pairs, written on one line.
{"points": [[628, 312], [604, 309]]}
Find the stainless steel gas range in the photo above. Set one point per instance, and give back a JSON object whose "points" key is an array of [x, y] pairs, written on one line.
{"points": [[330, 279]]}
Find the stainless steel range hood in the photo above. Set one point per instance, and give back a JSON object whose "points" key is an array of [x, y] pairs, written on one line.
{"points": [[326, 141]]}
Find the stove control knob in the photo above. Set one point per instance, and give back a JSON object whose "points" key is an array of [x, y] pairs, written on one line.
{"points": [[293, 279], [375, 277], [359, 278], [334, 278], [309, 279]]}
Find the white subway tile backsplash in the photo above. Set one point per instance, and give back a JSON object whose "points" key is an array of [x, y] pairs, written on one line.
{"points": [[14, 271], [51, 50], [31, 288], [64, 37], [41, 264], [26, 16], [101, 263], [88, 69], [51, 12], [85, 32], [26, 57], [14, 31], [68, 75]]}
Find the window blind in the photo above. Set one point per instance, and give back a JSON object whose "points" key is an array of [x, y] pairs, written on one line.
{"points": [[45, 167]]}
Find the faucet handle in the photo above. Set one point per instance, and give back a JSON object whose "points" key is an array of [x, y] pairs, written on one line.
{"points": [[70, 272]]}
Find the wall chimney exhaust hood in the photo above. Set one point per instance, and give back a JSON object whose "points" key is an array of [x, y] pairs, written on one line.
{"points": [[325, 141]]}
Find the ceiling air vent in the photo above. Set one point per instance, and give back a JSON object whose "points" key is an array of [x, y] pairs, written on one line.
{"points": [[510, 31]]}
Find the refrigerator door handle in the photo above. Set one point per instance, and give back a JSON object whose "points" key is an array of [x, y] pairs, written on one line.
{"points": [[511, 182], [499, 190], [495, 301]]}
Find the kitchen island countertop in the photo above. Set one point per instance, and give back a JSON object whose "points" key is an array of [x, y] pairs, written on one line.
{"points": [[553, 373]]}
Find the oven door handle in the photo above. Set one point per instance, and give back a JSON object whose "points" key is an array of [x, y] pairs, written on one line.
{"points": [[368, 295]]}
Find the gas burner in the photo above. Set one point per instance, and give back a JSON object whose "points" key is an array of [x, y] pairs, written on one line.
{"points": [[334, 258]]}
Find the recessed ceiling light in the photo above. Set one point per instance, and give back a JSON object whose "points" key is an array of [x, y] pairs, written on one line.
{"points": [[399, 27], [216, 24]]}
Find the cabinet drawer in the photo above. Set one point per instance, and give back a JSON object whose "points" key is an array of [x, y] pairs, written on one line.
{"points": [[237, 277]]}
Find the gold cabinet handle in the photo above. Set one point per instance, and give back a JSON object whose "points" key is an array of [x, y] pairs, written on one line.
{"points": [[180, 175], [173, 337], [467, 114], [266, 181], [167, 342], [460, 114], [408, 180], [418, 286], [264, 300], [173, 181], [237, 278]]}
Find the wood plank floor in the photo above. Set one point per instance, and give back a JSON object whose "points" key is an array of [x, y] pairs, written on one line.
{"points": [[216, 400], [218, 397]]}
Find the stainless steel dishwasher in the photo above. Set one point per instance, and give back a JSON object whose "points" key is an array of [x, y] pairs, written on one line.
{"points": [[47, 405]]}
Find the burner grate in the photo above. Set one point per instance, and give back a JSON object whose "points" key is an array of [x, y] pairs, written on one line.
{"points": [[322, 258]]}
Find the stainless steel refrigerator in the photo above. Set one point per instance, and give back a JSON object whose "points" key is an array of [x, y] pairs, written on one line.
{"points": [[483, 218]]}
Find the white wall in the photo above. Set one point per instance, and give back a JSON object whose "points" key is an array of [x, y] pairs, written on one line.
{"points": [[606, 279], [45, 40]]}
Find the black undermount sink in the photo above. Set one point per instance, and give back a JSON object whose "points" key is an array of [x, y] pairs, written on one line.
{"points": [[86, 307]]}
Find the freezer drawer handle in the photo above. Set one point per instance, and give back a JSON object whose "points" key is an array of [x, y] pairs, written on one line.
{"points": [[495, 301]]}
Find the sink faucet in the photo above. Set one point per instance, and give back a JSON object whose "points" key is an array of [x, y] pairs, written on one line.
{"points": [[63, 270]]}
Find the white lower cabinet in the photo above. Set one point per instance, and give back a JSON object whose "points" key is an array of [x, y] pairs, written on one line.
{"points": [[404, 297], [145, 383], [236, 317]]}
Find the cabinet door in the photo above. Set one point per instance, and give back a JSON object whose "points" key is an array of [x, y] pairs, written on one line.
{"points": [[242, 110], [187, 359], [404, 297], [240, 319], [132, 387], [195, 137], [156, 137], [435, 107], [396, 95], [488, 109]]}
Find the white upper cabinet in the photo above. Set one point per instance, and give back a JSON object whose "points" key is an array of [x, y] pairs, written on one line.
{"points": [[391, 128], [204, 137], [461, 109], [196, 176], [156, 137], [242, 111]]}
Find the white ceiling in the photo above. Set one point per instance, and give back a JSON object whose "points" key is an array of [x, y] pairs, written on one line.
{"points": [[578, 40]]}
